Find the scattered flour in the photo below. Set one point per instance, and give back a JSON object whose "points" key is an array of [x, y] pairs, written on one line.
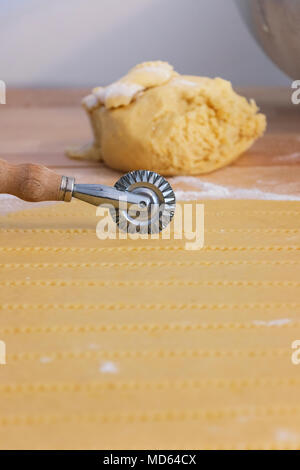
{"points": [[10, 203], [288, 158], [208, 190], [46, 359], [279, 322], [108, 367], [285, 435], [242, 419]]}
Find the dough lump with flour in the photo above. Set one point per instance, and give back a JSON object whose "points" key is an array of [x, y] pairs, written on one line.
{"points": [[156, 119]]}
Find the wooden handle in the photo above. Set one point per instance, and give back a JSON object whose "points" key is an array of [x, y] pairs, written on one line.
{"points": [[29, 182]]}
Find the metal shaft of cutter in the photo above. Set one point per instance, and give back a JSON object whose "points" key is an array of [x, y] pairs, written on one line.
{"points": [[98, 194], [105, 195]]}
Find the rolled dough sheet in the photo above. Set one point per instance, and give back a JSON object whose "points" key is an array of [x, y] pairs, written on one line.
{"points": [[143, 344]]}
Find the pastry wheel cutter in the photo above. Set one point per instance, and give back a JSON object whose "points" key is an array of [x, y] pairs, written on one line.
{"points": [[141, 201]]}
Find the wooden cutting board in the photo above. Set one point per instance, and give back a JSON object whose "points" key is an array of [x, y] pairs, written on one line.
{"points": [[37, 125]]}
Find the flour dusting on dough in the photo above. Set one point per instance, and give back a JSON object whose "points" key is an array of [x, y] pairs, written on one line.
{"points": [[120, 94], [182, 81], [90, 101]]}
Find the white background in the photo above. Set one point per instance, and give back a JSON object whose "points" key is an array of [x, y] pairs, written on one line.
{"points": [[90, 42]]}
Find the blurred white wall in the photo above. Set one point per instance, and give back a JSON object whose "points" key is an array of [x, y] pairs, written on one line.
{"points": [[90, 42]]}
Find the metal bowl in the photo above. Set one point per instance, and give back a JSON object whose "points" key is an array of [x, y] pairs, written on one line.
{"points": [[276, 26]]}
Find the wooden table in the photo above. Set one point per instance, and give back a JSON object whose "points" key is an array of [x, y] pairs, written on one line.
{"points": [[36, 125]]}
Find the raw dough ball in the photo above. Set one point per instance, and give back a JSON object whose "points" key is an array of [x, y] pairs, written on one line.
{"points": [[156, 119]]}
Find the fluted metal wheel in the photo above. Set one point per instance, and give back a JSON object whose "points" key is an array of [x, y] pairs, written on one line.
{"points": [[157, 215]]}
